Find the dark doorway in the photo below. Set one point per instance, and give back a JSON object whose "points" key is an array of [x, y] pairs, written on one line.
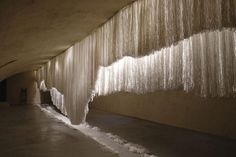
{"points": [[3, 90], [23, 95]]}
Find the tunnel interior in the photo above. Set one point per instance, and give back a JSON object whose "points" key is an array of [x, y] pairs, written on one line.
{"points": [[140, 77]]}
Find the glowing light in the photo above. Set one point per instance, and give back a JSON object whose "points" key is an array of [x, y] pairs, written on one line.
{"points": [[43, 86], [57, 66], [56, 96], [189, 53], [69, 54], [176, 67]]}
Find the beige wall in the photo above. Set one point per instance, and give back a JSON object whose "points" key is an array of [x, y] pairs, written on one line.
{"points": [[19, 81], [215, 116]]}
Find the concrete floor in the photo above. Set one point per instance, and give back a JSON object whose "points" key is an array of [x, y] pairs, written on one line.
{"points": [[28, 132], [162, 140]]}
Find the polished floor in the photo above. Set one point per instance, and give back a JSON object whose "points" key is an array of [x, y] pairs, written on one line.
{"points": [[162, 140], [28, 132]]}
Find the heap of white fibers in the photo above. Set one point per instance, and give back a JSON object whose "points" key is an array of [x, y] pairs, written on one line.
{"points": [[204, 63], [112, 142], [144, 27]]}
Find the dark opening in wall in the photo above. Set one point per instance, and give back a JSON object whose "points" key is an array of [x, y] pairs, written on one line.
{"points": [[23, 95], [3, 90]]}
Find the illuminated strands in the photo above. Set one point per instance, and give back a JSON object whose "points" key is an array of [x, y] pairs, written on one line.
{"points": [[204, 63], [142, 28]]}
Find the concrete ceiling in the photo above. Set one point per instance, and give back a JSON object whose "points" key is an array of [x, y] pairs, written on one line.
{"points": [[33, 31]]}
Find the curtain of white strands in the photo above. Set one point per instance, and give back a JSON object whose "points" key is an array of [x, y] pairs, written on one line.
{"points": [[204, 63], [190, 47]]}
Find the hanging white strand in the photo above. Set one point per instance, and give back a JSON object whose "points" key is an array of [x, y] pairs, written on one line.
{"points": [[191, 49]]}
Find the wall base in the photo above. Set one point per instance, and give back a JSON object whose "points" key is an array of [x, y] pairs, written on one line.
{"points": [[210, 115]]}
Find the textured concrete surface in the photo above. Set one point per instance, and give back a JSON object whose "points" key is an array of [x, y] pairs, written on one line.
{"points": [[163, 140], [211, 115], [23, 81], [28, 132], [33, 31]]}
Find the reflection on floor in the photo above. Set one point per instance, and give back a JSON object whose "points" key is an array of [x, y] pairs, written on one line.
{"points": [[27, 132], [162, 140]]}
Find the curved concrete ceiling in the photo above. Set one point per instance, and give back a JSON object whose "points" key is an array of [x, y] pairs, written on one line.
{"points": [[33, 31]]}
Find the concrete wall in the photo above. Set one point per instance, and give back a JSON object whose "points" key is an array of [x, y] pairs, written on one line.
{"points": [[215, 116], [22, 81]]}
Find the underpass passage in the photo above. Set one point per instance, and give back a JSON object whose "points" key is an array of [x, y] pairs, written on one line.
{"points": [[26, 131], [162, 140]]}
